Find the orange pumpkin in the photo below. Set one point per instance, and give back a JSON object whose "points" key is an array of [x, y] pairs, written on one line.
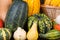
{"points": [[33, 6]]}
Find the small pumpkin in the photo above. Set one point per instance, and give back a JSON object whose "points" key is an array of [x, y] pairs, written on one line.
{"points": [[34, 6]]}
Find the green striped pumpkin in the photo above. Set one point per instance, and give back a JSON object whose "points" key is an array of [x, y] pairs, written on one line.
{"points": [[5, 34], [44, 23]]}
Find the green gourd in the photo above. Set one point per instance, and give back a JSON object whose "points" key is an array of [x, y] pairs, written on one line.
{"points": [[51, 35], [44, 23], [5, 34], [16, 15]]}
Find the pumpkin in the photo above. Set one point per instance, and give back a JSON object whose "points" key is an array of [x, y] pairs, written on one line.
{"points": [[16, 15], [4, 6], [44, 23], [34, 6], [5, 34]]}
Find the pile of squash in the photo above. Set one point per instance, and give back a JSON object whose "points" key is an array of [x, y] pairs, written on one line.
{"points": [[14, 13], [23, 20]]}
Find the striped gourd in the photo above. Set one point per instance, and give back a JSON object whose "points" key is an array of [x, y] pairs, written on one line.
{"points": [[16, 15], [44, 23], [5, 34], [51, 35]]}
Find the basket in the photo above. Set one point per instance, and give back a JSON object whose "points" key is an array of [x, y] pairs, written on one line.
{"points": [[51, 11]]}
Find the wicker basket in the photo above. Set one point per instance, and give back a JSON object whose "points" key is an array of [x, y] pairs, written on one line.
{"points": [[50, 11]]}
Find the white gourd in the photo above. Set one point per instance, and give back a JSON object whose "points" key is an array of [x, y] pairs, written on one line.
{"points": [[57, 20], [19, 34]]}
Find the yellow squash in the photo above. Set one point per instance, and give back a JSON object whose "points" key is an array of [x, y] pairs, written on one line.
{"points": [[54, 2], [33, 33], [34, 6], [59, 4], [47, 2]]}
